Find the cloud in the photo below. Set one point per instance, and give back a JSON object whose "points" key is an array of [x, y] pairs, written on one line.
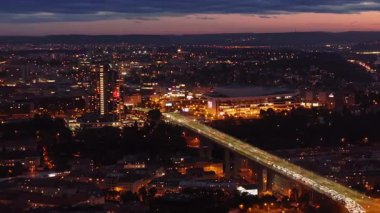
{"points": [[206, 18], [266, 16], [26, 11]]}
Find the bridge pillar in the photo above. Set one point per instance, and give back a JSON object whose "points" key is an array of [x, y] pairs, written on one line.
{"points": [[270, 180], [227, 163], [209, 150], [201, 151], [236, 165], [205, 150], [265, 179], [259, 178]]}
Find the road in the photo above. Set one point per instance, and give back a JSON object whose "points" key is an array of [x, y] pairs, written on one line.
{"points": [[353, 201], [47, 174]]}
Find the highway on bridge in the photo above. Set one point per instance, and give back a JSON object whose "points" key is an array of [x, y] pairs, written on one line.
{"points": [[351, 200]]}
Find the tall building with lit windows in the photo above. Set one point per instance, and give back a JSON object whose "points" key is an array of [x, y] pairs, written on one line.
{"points": [[107, 89], [103, 100]]}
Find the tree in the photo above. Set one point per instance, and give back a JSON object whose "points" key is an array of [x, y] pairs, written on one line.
{"points": [[143, 193], [128, 196], [152, 192], [154, 115]]}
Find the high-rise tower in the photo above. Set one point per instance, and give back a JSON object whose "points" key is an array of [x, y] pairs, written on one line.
{"points": [[106, 88], [103, 100]]}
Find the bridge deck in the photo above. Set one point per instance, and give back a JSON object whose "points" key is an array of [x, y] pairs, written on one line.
{"points": [[352, 200]]}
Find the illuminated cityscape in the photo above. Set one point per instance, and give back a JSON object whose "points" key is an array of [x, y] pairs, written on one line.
{"points": [[173, 107]]}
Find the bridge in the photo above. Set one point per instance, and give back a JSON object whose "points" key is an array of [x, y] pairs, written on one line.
{"points": [[353, 201]]}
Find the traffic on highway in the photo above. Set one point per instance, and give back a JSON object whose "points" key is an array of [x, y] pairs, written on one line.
{"points": [[353, 201]]}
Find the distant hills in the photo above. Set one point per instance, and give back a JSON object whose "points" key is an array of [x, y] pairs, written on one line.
{"points": [[259, 39]]}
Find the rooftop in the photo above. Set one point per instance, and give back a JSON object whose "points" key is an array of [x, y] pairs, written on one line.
{"points": [[236, 91]]}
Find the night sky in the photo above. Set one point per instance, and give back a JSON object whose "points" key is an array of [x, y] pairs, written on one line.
{"points": [[43, 17]]}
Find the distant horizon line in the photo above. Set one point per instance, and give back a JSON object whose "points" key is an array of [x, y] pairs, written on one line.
{"points": [[194, 34]]}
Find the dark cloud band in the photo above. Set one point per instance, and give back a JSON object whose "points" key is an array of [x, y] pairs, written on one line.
{"points": [[87, 10]]}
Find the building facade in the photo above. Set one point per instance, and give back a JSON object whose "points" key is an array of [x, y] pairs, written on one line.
{"points": [[247, 102]]}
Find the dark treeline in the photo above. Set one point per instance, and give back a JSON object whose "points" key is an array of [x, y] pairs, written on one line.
{"points": [[304, 68], [109, 144], [287, 38], [158, 140], [303, 128]]}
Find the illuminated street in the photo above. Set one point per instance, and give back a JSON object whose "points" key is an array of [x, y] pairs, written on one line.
{"points": [[353, 201]]}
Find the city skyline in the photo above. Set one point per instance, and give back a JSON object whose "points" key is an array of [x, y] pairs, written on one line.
{"points": [[185, 17], [203, 106]]}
